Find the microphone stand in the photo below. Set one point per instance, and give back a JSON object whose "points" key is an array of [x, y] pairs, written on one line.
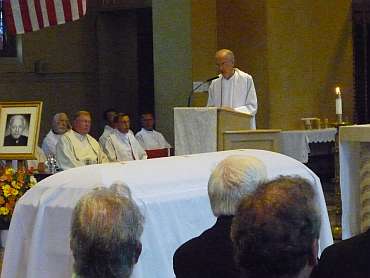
{"points": [[192, 91]]}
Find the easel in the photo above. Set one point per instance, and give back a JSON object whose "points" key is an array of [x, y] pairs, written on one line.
{"points": [[21, 164]]}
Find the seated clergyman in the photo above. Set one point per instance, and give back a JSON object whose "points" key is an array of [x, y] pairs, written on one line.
{"points": [[105, 233], [17, 127], [211, 253], [121, 144], [149, 138], [275, 230], [60, 125], [110, 125], [76, 147]]}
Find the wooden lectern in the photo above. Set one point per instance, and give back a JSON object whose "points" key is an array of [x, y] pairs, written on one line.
{"points": [[201, 129]]}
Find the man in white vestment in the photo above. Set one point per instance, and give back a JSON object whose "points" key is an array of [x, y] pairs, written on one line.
{"points": [[233, 88], [149, 138], [121, 145], [60, 125], [76, 147], [110, 126]]}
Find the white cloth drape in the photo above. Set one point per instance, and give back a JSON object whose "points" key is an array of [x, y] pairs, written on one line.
{"points": [[171, 193]]}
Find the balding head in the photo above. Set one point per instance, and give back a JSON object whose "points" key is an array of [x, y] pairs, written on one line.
{"points": [[225, 61], [233, 178], [226, 53]]}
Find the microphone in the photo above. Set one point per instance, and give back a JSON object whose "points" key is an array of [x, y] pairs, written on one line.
{"points": [[213, 78], [192, 91]]}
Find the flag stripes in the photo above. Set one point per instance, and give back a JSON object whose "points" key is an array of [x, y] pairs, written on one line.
{"points": [[24, 16]]}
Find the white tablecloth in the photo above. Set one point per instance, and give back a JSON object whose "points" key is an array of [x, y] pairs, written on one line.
{"points": [[295, 143], [171, 192]]}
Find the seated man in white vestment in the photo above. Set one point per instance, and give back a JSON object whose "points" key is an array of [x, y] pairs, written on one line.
{"points": [[105, 233], [121, 145], [233, 88], [110, 125], [60, 125], [76, 147], [149, 138]]}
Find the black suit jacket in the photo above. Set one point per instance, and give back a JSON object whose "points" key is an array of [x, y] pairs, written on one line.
{"points": [[10, 141], [208, 255], [346, 259]]}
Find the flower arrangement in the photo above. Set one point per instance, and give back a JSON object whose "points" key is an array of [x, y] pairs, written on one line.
{"points": [[13, 184]]}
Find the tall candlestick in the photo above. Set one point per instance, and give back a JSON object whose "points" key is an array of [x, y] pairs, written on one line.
{"points": [[338, 105]]}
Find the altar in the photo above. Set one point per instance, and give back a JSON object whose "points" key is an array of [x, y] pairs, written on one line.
{"points": [[171, 193]]}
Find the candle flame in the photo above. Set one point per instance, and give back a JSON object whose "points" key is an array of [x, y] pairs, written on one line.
{"points": [[337, 90]]}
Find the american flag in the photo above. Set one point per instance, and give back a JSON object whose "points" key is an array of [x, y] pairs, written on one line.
{"points": [[24, 16]]}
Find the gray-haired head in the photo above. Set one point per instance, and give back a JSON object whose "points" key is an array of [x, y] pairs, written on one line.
{"points": [[61, 123], [232, 178], [105, 233]]}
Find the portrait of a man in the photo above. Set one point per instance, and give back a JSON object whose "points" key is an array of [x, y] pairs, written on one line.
{"points": [[17, 130]]}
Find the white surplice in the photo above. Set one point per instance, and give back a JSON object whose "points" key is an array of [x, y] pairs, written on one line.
{"points": [[237, 92], [151, 139], [107, 130], [74, 150], [50, 142], [123, 146]]}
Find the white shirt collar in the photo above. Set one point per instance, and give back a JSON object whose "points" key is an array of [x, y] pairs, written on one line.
{"points": [[231, 77], [79, 136], [145, 130], [122, 135]]}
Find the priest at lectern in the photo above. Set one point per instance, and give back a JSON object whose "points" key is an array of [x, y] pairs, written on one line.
{"points": [[233, 88]]}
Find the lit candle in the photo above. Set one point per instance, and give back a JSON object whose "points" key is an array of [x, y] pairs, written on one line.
{"points": [[338, 102]]}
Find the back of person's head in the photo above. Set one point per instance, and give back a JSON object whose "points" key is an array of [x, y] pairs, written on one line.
{"points": [[232, 178], [275, 230], [105, 233]]}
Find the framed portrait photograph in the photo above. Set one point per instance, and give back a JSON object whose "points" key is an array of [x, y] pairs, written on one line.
{"points": [[19, 129]]}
